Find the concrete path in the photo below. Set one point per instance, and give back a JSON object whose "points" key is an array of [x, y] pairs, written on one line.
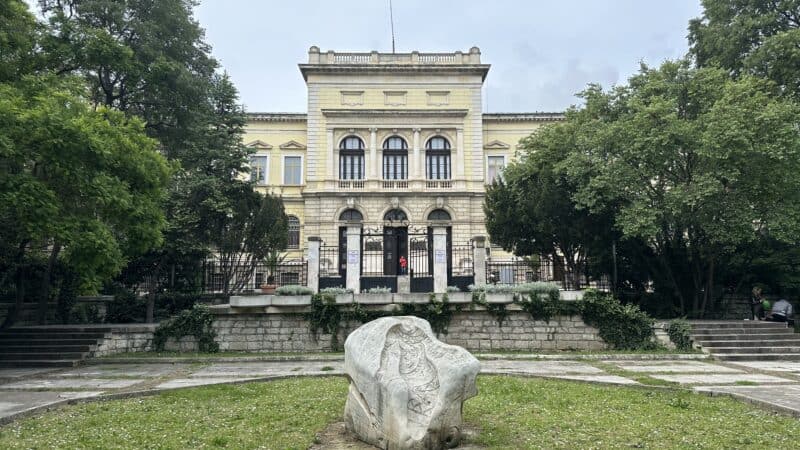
{"points": [[775, 385]]}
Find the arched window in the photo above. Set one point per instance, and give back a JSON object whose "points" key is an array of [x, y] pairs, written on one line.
{"points": [[439, 214], [395, 215], [437, 159], [351, 215], [395, 159], [294, 232], [351, 158]]}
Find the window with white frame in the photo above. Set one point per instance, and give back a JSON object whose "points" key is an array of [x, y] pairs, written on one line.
{"points": [[395, 159], [294, 232], [437, 159], [351, 158], [494, 167], [259, 169], [292, 170]]}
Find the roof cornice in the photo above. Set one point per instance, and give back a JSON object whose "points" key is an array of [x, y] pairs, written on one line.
{"points": [[478, 69], [524, 117], [276, 117], [395, 112]]}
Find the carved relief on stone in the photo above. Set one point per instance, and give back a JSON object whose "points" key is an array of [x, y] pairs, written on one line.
{"points": [[407, 387]]}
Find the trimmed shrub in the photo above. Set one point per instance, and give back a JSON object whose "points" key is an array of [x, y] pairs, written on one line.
{"points": [[624, 327], [679, 332]]}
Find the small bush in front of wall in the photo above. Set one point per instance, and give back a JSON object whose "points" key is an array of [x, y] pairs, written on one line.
{"points": [[438, 313], [452, 289], [293, 289], [679, 332], [85, 313], [496, 310], [325, 316], [195, 322], [125, 308], [540, 300], [625, 327], [379, 290], [338, 290]]}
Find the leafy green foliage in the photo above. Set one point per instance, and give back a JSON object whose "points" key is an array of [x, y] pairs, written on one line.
{"points": [[625, 327], [325, 316], [195, 322], [750, 36], [379, 290], [125, 308], [439, 313], [679, 332]]}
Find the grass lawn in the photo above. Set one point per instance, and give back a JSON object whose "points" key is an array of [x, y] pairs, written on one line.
{"points": [[509, 412]]}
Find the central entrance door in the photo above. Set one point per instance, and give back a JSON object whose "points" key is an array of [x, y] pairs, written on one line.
{"points": [[395, 246]]}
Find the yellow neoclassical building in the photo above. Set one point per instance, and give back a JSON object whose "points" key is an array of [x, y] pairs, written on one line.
{"points": [[393, 142]]}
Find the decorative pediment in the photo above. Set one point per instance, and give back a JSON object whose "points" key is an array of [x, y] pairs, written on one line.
{"points": [[259, 145], [497, 145], [292, 145]]}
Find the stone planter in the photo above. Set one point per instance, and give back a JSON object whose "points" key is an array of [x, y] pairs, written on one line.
{"points": [[500, 298], [268, 289], [373, 299], [250, 301], [291, 300], [415, 297], [458, 297], [344, 299]]}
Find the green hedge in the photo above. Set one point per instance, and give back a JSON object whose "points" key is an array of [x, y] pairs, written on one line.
{"points": [[624, 327]]}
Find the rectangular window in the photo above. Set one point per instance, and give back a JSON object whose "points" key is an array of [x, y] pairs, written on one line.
{"points": [[258, 169], [351, 166], [437, 166], [495, 168], [395, 166], [292, 170]]}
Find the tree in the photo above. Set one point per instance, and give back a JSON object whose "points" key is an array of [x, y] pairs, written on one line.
{"points": [[256, 227], [698, 165], [19, 37], [750, 36], [531, 212], [83, 183]]}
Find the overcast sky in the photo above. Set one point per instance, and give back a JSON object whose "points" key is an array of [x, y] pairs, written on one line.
{"points": [[541, 52]]}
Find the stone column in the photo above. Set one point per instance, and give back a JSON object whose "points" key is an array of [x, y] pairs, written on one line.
{"points": [[312, 260], [439, 259], [479, 259], [458, 155], [353, 257], [372, 173], [331, 175], [415, 162]]}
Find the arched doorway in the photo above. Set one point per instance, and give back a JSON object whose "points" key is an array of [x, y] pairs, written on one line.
{"points": [[395, 242]]}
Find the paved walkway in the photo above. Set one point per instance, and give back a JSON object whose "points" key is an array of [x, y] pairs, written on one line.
{"points": [[772, 384]]}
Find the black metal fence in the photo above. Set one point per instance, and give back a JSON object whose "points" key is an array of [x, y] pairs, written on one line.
{"points": [[242, 279], [461, 260], [519, 271], [419, 257], [329, 261]]}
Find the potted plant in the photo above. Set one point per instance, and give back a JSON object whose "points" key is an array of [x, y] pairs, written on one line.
{"points": [[272, 261]]}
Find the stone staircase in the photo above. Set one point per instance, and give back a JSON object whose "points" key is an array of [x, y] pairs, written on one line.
{"points": [[747, 340], [48, 346]]}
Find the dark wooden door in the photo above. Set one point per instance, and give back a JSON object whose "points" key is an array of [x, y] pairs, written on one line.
{"points": [[395, 245], [343, 252]]}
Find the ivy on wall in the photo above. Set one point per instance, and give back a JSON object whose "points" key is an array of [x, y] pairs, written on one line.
{"points": [[195, 322]]}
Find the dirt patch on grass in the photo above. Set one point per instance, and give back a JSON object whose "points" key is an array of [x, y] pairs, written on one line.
{"points": [[336, 437]]}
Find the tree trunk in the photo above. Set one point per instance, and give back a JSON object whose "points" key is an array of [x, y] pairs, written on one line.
{"points": [[44, 296], [709, 291]]}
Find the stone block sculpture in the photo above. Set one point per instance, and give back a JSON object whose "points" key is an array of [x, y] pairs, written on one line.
{"points": [[406, 387]]}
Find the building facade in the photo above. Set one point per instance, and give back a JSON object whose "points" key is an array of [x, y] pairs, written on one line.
{"points": [[393, 143]]}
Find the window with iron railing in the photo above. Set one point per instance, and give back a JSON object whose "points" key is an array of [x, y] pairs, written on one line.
{"points": [[437, 159], [294, 232], [395, 159], [351, 158]]}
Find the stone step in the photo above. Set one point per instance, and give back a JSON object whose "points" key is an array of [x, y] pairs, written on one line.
{"points": [[758, 357], [784, 349], [737, 324], [734, 330], [66, 335], [62, 329], [744, 336], [14, 364], [45, 348], [748, 343], [48, 341], [42, 356]]}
